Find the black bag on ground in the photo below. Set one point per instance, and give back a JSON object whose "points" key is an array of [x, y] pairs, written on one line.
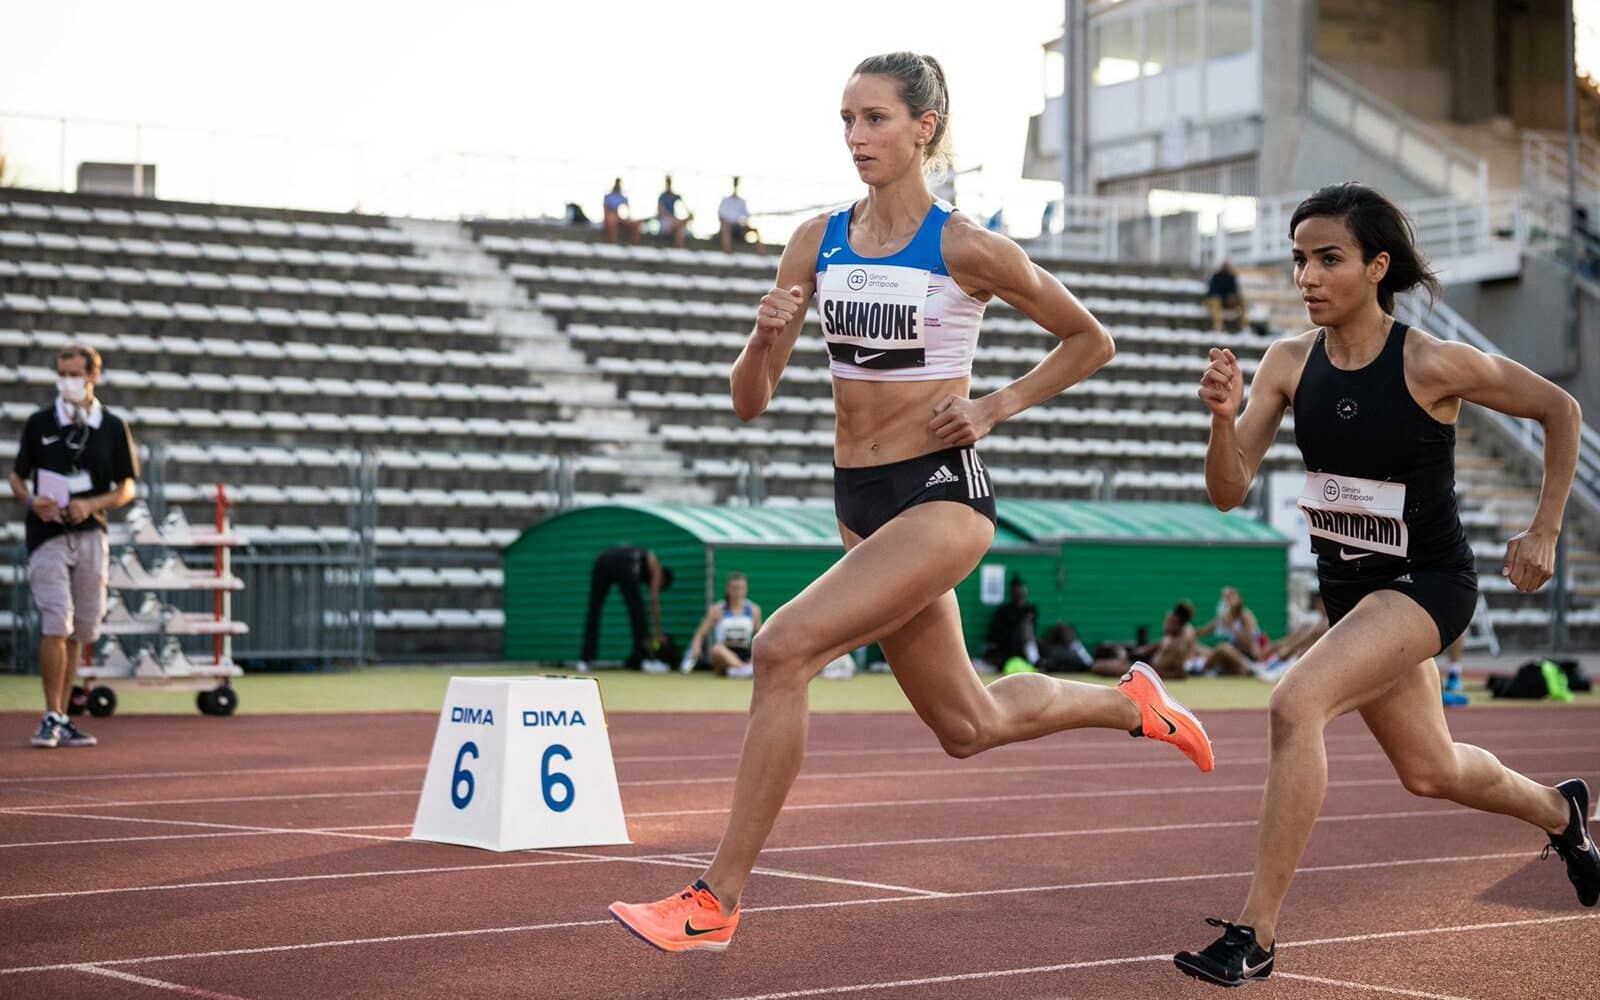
{"points": [[1528, 681]]}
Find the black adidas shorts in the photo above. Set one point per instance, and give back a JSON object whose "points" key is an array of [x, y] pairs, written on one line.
{"points": [[1448, 595], [866, 498]]}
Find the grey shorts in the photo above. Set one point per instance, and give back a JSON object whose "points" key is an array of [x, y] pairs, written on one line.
{"points": [[67, 575]]}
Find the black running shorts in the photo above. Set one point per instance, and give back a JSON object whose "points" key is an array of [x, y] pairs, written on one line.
{"points": [[1449, 596], [865, 499]]}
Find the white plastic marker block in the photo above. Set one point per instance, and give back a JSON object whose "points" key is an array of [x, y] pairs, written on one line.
{"points": [[519, 763]]}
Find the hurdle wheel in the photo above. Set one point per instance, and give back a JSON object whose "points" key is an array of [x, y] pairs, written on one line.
{"points": [[100, 701], [224, 700], [205, 703], [78, 701]]}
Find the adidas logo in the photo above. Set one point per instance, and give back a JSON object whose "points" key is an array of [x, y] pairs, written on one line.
{"points": [[944, 475]]}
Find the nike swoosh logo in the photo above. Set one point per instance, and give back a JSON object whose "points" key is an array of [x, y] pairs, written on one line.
{"points": [[830, 253], [1170, 727], [862, 359], [49, 440], [1352, 556], [1251, 970], [693, 931]]}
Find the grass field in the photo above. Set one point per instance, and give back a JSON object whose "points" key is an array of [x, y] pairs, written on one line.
{"points": [[421, 689]]}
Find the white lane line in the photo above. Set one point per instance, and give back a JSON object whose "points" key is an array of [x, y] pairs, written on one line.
{"points": [[1346, 984], [323, 877], [1076, 766], [134, 840], [695, 862], [959, 977], [160, 984], [930, 751], [132, 803], [830, 904], [285, 830], [701, 856]]}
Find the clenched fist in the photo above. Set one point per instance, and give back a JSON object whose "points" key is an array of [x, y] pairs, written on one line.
{"points": [[1222, 385], [778, 309]]}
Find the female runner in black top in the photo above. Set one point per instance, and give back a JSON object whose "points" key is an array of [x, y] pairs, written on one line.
{"points": [[1375, 406]]}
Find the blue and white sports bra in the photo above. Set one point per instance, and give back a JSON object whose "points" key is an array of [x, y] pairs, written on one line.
{"points": [[900, 318]]}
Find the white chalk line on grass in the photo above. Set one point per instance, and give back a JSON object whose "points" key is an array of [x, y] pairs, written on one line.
{"points": [[929, 751], [831, 904], [1370, 987], [159, 984]]}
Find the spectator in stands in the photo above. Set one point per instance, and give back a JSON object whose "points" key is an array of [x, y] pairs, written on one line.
{"points": [[628, 568], [734, 215], [731, 624], [1172, 656], [667, 215], [1013, 630], [1222, 293], [76, 461], [1241, 636], [617, 222]]}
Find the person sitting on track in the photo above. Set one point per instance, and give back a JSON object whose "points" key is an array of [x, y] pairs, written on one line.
{"points": [[1281, 655], [1172, 656], [732, 624], [902, 281], [1375, 407], [1013, 631]]}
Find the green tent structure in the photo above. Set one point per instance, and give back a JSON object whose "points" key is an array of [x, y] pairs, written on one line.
{"points": [[781, 550], [1125, 564], [1105, 567]]}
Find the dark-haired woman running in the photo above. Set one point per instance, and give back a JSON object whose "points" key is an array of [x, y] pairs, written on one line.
{"points": [[1375, 407]]}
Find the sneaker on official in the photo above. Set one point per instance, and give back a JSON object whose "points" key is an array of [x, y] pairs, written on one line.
{"points": [[741, 671], [72, 736], [1233, 959], [1575, 845], [654, 666], [48, 735]]}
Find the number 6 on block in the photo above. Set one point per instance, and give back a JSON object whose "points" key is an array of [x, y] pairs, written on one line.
{"points": [[519, 763]]}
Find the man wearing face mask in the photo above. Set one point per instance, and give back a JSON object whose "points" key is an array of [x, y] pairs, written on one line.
{"points": [[75, 462]]}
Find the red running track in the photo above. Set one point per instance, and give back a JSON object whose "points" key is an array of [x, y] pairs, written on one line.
{"points": [[264, 857]]}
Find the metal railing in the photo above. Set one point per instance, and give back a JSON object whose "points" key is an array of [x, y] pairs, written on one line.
{"points": [[1406, 141], [1445, 227]]}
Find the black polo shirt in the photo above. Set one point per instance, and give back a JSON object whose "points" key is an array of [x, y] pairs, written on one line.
{"points": [[106, 453]]}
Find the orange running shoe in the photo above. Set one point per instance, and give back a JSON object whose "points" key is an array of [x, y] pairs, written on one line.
{"points": [[689, 920], [1163, 719]]}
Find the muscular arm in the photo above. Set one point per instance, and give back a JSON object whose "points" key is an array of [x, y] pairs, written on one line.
{"points": [[760, 365], [1448, 368], [1237, 446], [987, 263]]}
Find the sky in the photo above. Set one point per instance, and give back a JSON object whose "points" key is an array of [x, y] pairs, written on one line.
{"points": [[412, 108], [382, 96]]}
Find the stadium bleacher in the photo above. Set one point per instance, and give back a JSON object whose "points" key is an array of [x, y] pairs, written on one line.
{"points": [[272, 349]]}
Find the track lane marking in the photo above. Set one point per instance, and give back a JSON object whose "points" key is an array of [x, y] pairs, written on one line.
{"points": [[562, 925], [160, 984]]}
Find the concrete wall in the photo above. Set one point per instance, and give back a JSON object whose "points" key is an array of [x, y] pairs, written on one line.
{"points": [[1324, 155], [1525, 317]]}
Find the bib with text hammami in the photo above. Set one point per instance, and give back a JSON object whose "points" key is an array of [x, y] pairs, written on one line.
{"points": [[1351, 518], [872, 315]]}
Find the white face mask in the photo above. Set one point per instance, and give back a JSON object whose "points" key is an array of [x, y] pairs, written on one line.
{"points": [[73, 389]]}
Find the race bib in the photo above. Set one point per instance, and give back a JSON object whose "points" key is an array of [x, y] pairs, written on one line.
{"points": [[1352, 517], [872, 315]]}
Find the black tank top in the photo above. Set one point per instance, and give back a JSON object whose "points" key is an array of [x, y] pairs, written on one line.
{"points": [[1380, 486]]}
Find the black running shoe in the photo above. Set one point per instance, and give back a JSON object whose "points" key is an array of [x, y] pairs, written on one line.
{"points": [[1575, 845], [72, 736], [48, 735], [1231, 960]]}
